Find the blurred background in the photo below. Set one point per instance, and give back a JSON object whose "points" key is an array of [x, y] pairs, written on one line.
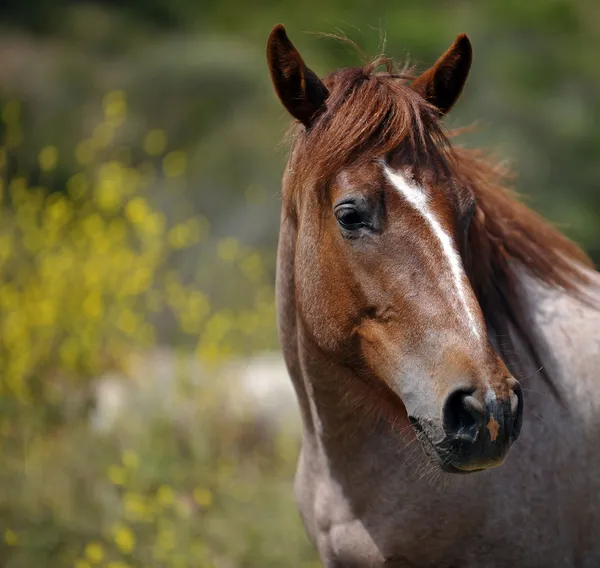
{"points": [[146, 418]]}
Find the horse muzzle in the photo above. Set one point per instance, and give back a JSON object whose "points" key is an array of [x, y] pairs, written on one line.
{"points": [[478, 429]]}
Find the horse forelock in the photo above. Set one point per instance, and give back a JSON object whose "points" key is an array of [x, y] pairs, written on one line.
{"points": [[368, 114]]}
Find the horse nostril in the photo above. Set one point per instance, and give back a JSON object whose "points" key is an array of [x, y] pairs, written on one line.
{"points": [[463, 415]]}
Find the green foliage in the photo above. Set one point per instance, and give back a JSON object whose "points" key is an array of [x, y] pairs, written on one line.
{"points": [[87, 277]]}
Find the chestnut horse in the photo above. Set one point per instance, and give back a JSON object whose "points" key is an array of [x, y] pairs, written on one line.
{"points": [[412, 290]]}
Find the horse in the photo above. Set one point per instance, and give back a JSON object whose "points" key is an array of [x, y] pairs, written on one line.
{"points": [[419, 304]]}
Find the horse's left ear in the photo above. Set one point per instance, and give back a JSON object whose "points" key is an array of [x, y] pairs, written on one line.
{"points": [[302, 93], [442, 84]]}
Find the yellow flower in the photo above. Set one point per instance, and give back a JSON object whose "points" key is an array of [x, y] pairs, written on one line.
{"points": [[10, 538], [115, 107], [178, 236], [228, 249], [127, 322], [116, 474], [154, 224], [165, 495], [217, 326], [166, 539], [174, 164], [130, 459], [136, 210], [124, 538], [135, 507], [155, 142], [94, 552], [11, 112], [108, 195], [45, 313], [252, 267], [203, 497], [48, 158], [92, 306], [77, 186]]}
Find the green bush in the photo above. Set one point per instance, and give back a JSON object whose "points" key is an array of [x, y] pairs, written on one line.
{"points": [[89, 280]]}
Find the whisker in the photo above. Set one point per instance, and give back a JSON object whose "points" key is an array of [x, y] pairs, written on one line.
{"points": [[531, 374], [546, 395]]}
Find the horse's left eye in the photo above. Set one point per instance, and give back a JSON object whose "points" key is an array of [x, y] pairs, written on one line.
{"points": [[349, 218]]}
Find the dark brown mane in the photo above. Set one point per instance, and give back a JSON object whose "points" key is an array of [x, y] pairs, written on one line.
{"points": [[370, 113]]}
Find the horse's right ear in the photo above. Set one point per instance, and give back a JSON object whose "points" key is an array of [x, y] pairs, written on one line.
{"points": [[302, 93]]}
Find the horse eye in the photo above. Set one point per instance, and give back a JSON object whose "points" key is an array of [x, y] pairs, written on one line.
{"points": [[349, 218]]}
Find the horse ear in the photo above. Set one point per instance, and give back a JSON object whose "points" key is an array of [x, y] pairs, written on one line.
{"points": [[442, 84], [302, 93]]}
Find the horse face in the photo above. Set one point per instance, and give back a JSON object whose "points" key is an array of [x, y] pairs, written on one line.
{"points": [[379, 276]]}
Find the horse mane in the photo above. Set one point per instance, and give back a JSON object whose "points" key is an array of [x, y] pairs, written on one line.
{"points": [[369, 114]]}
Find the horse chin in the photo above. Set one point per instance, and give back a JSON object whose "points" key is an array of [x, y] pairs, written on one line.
{"points": [[438, 455], [430, 449], [443, 459]]}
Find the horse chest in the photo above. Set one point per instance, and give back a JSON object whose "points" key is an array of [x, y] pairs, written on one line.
{"points": [[399, 523], [391, 528]]}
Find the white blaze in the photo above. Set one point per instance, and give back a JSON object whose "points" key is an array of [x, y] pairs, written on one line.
{"points": [[417, 197]]}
